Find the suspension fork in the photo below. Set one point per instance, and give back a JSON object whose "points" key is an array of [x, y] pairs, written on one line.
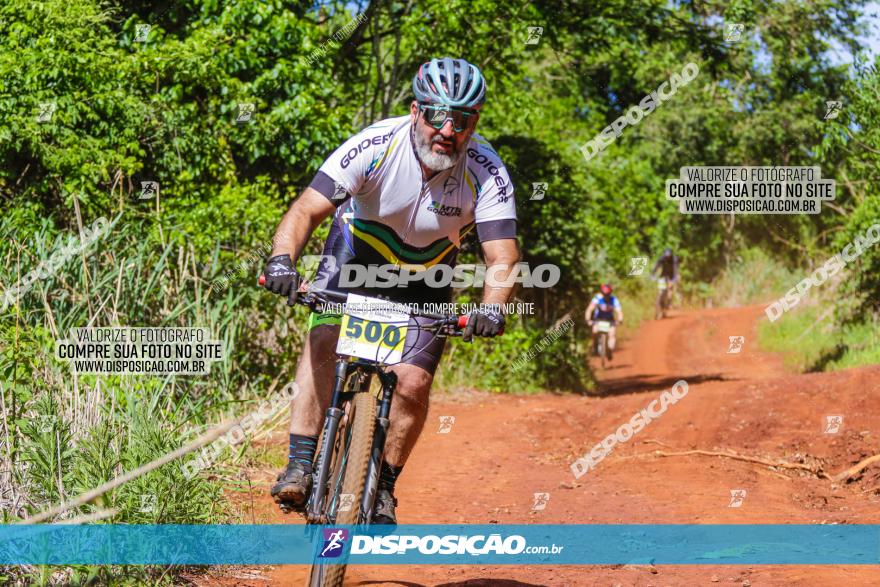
{"points": [[389, 384], [314, 511]]}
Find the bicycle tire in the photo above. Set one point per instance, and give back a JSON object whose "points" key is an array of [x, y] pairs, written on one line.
{"points": [[603, 347], [362, 421], [659, 309]]}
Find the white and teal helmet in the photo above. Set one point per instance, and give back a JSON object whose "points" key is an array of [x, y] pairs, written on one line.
{"points": [[453, 82]]}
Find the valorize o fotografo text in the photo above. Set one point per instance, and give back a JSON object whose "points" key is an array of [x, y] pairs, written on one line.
{"points": [[750, 190]]}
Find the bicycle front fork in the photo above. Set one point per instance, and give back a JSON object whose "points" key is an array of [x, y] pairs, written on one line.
{"points": [[380, 433], [314, 508]]}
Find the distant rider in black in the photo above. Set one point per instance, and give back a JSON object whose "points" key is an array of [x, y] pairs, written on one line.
{"points": [[668, 266]]}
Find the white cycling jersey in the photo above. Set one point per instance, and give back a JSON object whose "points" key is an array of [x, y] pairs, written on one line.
{"points": [[389, 214]]}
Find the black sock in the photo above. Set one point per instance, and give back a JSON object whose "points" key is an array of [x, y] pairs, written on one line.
{"points": [[388, 475], [302, 450]]}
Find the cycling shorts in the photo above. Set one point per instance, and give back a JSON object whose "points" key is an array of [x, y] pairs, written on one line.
{"points": [[422, 348]]}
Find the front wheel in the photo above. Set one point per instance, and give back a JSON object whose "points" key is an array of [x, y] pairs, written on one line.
{"points": [[660, 306], [346, 483], [602, 347]]}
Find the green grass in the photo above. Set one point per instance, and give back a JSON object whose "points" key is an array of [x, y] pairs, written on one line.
{"points": [[822, 333], [69, 434], [637, 300], [751, 278], [491, 365], [63, 435], [811, 340]]}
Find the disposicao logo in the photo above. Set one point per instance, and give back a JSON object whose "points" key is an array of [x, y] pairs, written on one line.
{"points": [[473, 545], [334, 542]]}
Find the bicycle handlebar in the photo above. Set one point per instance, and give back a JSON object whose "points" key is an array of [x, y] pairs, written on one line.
{"points": [[320, 297]]}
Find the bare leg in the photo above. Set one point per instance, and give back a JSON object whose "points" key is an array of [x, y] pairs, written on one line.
{"points": [[409, 409], [314, 377]]}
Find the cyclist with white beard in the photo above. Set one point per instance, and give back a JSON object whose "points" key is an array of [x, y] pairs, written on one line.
{"points": [[406, 191]]}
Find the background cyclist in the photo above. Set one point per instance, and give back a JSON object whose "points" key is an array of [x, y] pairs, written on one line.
{"points": [[667, 266], [605, 307]]}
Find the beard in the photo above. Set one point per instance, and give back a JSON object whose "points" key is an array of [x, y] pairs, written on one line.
{"points": [[431, 160]]}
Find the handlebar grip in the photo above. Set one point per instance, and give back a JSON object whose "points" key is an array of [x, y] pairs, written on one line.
{"points": [[262, 280], [463, 320]]}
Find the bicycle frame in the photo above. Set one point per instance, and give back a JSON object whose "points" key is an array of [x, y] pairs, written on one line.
{"points": [[344, 390], [315, 511]]}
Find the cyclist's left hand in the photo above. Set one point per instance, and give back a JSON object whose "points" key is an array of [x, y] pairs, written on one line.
{"points": [[483, 323]]}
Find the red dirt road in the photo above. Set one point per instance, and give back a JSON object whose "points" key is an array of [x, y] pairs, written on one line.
{"points": [[503, 449]]}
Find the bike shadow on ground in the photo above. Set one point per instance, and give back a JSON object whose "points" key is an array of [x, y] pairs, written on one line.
{"points": [[465, 583], [651, 383]]}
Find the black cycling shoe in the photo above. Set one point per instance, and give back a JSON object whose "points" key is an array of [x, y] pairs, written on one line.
{"points": [[384, 510], [293, 487]]}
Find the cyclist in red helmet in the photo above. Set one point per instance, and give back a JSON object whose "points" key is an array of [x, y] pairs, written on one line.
{"points": [[605, 307]]}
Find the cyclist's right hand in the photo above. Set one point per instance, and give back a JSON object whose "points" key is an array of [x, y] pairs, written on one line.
{"points": [[282, 277], [483, 322]]}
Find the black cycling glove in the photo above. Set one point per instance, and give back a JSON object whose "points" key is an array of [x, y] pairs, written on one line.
{"points": [[282, 278], [483, 322]]}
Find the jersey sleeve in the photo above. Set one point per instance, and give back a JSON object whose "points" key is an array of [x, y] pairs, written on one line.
{"points": [[344, 171], [348, 167], [495, 210]]}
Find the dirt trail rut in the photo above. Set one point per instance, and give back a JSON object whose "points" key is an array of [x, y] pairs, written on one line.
{"points": [[503, 449]]}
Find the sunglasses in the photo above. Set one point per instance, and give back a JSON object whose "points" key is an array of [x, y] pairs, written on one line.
{"points": [[437, 116]]}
